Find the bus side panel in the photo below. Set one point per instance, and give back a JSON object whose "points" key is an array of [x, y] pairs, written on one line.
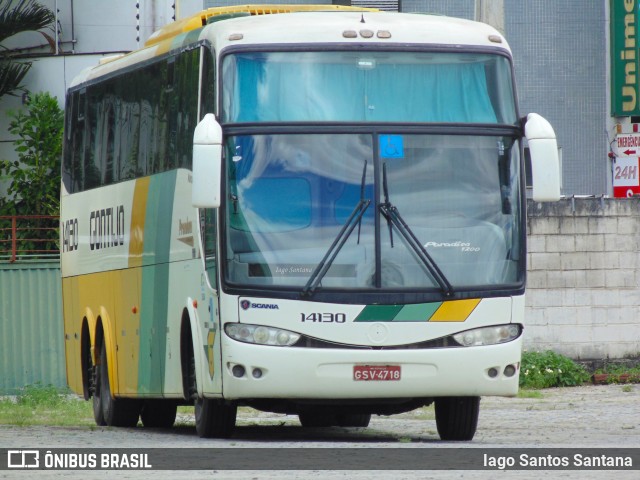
{"points": [[184, 286], [72, 331], [91, 297], [155, 283], [126, 287]]}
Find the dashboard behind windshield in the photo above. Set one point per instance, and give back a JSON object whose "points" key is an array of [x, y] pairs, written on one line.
{"points": [[289, 196]]}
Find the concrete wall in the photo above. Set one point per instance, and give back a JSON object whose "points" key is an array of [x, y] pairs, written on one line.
{"points": [[583, 290]]}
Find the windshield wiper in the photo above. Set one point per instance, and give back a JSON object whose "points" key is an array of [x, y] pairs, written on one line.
{"points": [[354, 219], [393, 217]]}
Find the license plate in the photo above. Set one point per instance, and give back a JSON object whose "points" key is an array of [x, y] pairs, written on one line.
{"points": [[376, 373]]}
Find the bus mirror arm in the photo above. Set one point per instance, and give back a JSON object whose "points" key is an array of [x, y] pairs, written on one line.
{"points": [[545, 162], [207, 163]]}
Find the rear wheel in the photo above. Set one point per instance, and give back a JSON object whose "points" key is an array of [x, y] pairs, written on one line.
{"points": [[117, 412], [94, 373], [159, 413], [457, 417], [317, 419], [353, 419]]}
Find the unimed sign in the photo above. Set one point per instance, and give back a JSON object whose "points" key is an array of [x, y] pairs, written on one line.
{"points": [[625, 100]]}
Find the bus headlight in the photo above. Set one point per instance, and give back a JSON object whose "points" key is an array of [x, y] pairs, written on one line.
{"points": [[488, 335], [261, 335]]}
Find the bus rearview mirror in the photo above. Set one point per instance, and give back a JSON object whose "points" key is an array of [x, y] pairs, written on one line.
{"points": [[207, 163], [545, 162]]}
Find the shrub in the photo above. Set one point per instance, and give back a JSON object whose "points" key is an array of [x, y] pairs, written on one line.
{"points": [[34, 179], [549, 369]]}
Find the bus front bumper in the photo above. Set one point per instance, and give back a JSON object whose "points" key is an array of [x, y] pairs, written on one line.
{"points": [[253, 371]]}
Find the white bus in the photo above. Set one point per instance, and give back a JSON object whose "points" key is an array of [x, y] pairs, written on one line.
{"points": [[319, 212]]}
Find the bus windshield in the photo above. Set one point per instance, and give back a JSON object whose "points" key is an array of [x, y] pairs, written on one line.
{"points": [[290, 195], [347, 86]]}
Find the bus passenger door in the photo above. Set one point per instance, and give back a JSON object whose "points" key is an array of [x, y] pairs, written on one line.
{"points": [[208, 309]]}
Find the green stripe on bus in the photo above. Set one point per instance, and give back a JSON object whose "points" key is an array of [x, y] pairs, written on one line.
{"points": [[378, 313], [155, 283], [157, 238], [186, 38], [420, 312]]}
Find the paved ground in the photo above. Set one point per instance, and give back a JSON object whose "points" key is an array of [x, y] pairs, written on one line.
{"points": [[582, 417]]}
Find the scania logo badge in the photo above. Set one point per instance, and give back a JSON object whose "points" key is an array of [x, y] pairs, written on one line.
{"points": [[246, 305]]}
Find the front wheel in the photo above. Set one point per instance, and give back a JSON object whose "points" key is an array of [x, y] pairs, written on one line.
{"points": [[457, 417], [214, 418]]}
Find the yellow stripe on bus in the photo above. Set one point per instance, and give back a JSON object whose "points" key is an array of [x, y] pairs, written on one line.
{"points": [[455, 311], [138, 214]]}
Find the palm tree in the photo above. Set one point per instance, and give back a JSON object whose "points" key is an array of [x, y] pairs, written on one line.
{"points": [[18, 16]]}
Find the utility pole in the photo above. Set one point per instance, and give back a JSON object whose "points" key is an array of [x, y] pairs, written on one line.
{"points": [[491, 12]]}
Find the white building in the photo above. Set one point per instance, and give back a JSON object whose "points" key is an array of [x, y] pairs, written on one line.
{"points": [[86, 30]]}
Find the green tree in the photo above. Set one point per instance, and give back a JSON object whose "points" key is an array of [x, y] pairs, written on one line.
{"points": [[34, 179], [18, 16]]}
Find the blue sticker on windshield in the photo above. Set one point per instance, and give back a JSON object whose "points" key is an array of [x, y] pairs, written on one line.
{"points": [[391, 146]]}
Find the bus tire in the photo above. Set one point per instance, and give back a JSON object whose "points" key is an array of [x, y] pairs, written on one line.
{"points": [[317, 419], [118, 412], [214, 418], [96, 380], [457, 417], [159, 413], [353, 419]]}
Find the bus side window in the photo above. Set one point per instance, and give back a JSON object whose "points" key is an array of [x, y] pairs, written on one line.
{"points": [[187, 94], [109, 168], [92, 175], [72, 152], [208, 93], [173, 113]]}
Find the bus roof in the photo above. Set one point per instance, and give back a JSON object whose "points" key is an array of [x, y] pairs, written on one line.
{"points": [[355, 26], [211, 15]]}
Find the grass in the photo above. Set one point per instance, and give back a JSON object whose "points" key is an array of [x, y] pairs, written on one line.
{"points": [[45, 405], [527, 393]]}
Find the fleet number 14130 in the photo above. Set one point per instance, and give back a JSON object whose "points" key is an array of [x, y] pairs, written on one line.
{"points": [[325, 317]]}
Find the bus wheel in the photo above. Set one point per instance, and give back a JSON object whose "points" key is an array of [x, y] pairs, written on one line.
{"points": [[353, 419], [214, 418], [118, 412], [457, 417], [159, 413], [94, 385], [317, 419]]}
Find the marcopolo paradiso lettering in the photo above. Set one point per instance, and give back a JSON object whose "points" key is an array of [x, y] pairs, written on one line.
{"points": [[106, 227], [463, 246]]}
